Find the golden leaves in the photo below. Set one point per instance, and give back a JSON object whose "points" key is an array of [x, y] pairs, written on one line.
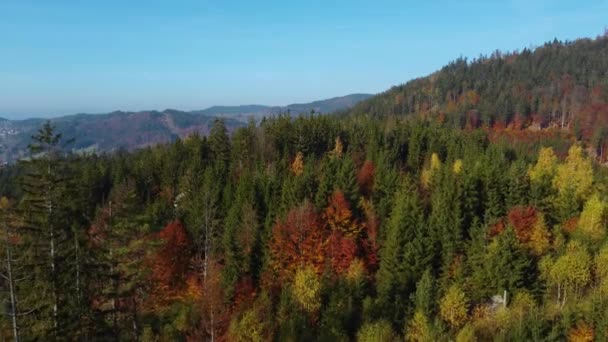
{"points": [[307, 289], [453, 307]]}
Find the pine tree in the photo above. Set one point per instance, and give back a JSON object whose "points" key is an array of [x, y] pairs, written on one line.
{"points": [[385, 185], [424, 297], [494, 187], [478, 273], [507, 265], [518, 187], [46, 184], [197, 203], [404, 254], [327, 182], [347, 180], [445, 221], [119, 236], [219, 144], [236, 260]]}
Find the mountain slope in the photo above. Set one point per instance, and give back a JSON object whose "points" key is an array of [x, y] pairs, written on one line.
{"points": [[132, 130], [108, 132], [560, 84]]}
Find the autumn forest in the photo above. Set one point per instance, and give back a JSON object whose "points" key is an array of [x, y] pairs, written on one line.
{"points": [[469, 205]]}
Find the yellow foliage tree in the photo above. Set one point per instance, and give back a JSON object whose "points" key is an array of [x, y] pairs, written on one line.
{"points": [[545, 167], [575, 174], [453, 307], [571, 271], [380, 331], [297, 167], [592, 220], [457, 167], [601, 268], [249, 328], [523, 303], [539, 237], [427, 174], [338, 148], [419, 329], [466, 334], [252, 325], [307, 289]]}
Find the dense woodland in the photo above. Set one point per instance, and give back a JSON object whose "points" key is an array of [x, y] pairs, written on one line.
{"points": [[559, 84], [371, 226]]}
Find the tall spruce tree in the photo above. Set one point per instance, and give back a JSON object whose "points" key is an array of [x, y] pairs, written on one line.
{"points": [[47, 185], [404, 255]]}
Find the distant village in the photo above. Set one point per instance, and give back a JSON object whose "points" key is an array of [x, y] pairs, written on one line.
{"points": [[6, 131]]}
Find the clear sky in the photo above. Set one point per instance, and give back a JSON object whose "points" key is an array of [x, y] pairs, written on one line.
{"points": [[63, 57]]}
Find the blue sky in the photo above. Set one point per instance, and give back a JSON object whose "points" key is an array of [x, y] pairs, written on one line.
{"points": [[62, 57]]}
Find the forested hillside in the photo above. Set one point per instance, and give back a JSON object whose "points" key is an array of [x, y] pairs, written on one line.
{"points": [[371, 226], [559, 84]]}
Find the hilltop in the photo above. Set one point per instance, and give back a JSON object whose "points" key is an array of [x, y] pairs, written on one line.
{"points": [[560, 85]]}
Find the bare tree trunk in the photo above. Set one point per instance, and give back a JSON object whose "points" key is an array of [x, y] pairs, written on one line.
{"points": [[209, 213], [212, 327], [206, 252], [11, 285], [134, 321], [49, 205], [78, 294], [114, 281]]}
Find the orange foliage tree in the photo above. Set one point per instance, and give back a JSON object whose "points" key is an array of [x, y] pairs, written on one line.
{"points": [[297, 241], [339, 216], [170, 262], [522, 219], [215, 315]]}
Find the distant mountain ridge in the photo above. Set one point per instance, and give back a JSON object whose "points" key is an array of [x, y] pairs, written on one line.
{"points": [[133, 130], [323, 106]]}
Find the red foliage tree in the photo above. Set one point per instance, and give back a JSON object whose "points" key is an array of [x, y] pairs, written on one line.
{"points": [[497, 228], [522, 219], [341, 251], [170, 263], [365, 178], [244, 292], [297, 242]]}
